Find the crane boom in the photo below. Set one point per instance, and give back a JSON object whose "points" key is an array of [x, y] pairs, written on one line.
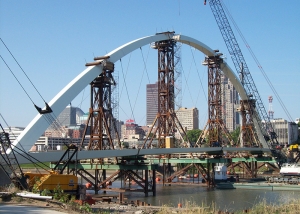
{"points": [[242, 69]]}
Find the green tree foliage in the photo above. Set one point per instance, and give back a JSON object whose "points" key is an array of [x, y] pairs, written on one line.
{"points": [[152, 134], [235, 134], [193, 135]]}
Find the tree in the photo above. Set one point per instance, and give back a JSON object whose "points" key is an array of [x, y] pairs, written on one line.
{"points": [[193, 135], [235, 134]]}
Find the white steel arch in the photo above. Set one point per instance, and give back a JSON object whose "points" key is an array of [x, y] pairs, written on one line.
{"points": [[38, 125]]}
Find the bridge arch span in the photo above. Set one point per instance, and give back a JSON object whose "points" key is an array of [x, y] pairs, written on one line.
{"points": [[38, 125]]}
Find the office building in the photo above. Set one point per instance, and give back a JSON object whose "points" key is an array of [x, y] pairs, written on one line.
{"points": [[287, 132], [44, 143], [188, 118], [131, 131], [70, 116], [152, 103], [230, 103]]}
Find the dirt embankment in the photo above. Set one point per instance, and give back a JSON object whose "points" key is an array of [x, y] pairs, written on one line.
{"points": [[71, 207]]}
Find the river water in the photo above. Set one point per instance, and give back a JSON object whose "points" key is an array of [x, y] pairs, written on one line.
{"points": [[228, 199]]}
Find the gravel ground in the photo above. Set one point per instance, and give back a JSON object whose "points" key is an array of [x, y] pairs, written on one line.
{"points": [[10, 204]]}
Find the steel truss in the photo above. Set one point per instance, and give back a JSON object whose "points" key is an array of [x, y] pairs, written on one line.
{"points": [[166, 119], [243, 70], [248, 135], [214, 128], [100, 119]]}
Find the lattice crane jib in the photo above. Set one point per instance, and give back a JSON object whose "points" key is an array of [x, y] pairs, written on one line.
{"points": [[242, 69], [9, 163]]}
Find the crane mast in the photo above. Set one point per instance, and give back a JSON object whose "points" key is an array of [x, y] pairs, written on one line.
{"points": [[242, 69]]}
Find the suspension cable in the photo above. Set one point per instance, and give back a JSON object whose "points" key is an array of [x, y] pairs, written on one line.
{"points": [[125, 76], [149, 82], [16, 79], [21, 68], [198, 75], [127, 91], [138, 91], [186, 82]]}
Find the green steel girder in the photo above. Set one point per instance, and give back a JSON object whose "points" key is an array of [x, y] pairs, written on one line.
{"points": [[252, 159], [153, 163], [188, 160], [110, 166]]}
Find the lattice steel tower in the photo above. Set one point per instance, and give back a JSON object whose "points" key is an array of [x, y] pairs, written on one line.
{"points": [[100, 119], [166, 119], [214, 128]]}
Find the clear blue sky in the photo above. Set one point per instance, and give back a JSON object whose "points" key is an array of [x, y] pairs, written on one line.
{"points": [[52, 41]]}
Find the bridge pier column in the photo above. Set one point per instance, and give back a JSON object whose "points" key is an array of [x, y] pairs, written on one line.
{"points": [[96, 181], [146, 183], [154, 182]]}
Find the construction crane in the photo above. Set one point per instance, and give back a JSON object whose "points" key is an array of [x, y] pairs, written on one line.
{"points": [[37, 181], [242, 69], [11, 166]]}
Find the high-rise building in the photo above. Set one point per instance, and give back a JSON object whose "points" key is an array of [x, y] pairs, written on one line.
{"points": [[70, 116], [188, 118], [287, 132], [118, 124], [152, 102], [230, 103]]}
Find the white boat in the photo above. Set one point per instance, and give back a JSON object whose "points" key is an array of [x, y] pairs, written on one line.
{"points": [[290, 169], [220, 172]]}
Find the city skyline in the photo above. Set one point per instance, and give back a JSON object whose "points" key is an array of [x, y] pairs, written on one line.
{"points": [[52, 56]]}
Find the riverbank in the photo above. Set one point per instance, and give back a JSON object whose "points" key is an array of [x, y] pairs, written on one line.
{"points": [[187, 207]]}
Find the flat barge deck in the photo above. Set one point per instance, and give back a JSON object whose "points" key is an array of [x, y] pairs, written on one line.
{"points": [[259, 185]]}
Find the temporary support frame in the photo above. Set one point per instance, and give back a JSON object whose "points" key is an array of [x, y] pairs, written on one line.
{"points": [[100, 117], [248, 135], [214, 126], [124, 171], [166, 119]]}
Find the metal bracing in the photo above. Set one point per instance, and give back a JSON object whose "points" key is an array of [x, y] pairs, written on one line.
{"points": [[215, 127], [248, 135], [38, 125], [100, 119], [242, 69], [115, 105], [166, 119], [165, 89], [9, 163]]}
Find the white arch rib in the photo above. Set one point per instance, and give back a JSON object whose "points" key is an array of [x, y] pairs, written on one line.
{"points": [[38, 125]]}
